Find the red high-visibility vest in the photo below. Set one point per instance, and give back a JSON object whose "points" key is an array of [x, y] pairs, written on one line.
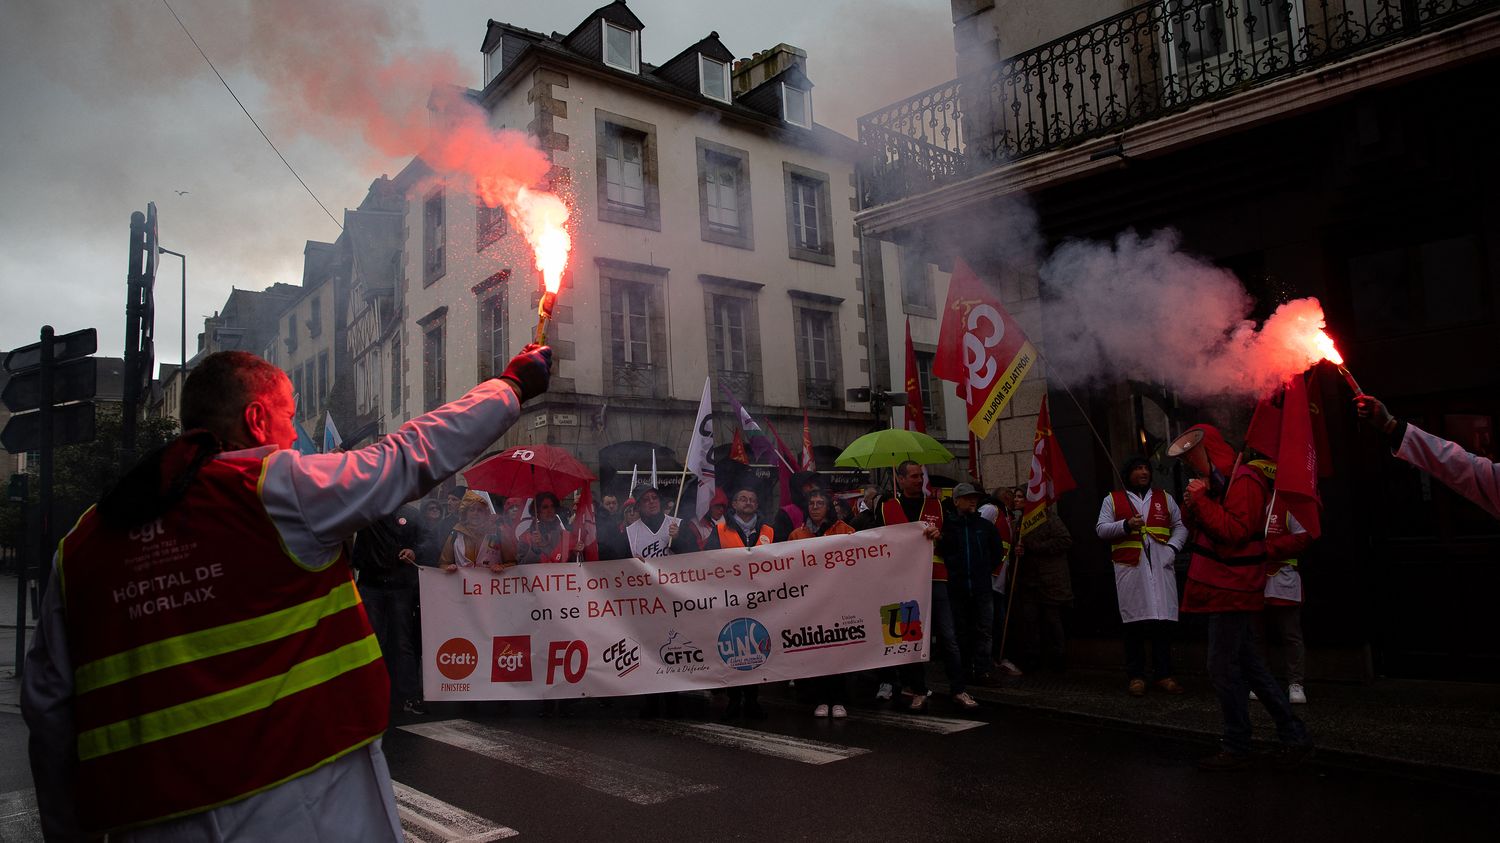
{"points": [[932, 513], [1127, 551], [209, 663]]}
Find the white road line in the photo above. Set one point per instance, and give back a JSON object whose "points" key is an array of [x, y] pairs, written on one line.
{"points": [[641, 785], [428, 820], [913, 722], [766, 743], [19, 820]]}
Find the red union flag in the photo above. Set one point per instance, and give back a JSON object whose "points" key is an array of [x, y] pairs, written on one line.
{"points": [[916, 414], [1050, 476], [1282, 429], [981, 348]]}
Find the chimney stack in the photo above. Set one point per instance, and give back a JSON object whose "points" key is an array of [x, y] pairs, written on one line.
{"points": [[748, 73]]}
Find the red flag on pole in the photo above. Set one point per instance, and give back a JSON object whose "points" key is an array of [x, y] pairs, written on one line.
{"points": [[1282, 429], [1050, 476], [737, 450], [808, 463], [981, 348], [916, 413]]}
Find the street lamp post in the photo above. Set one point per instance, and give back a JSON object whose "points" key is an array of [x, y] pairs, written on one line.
{"points": [[182, 367]]}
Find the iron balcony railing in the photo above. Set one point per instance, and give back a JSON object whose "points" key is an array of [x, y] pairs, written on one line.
{"points": [[1154, 59]]}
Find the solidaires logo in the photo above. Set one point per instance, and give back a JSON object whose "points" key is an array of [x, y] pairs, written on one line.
{"points": [[843, 632], [744, 644], [457, 658]]}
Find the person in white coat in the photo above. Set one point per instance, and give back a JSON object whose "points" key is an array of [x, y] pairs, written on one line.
{"points": [[1145, 531], [1475, 477]]}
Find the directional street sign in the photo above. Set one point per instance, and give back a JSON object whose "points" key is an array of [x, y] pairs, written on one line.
{"points": [[66, 347], [75, 380], [71, 424]]}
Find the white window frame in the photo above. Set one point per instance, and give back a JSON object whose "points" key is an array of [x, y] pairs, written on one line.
{"points": [[631, 296], [786, 111], [716, 68], [734, 339], [715, 165], [1185, 68], [618, 190], [821, 319], [493, 63], [805, 213], [635, 47]]}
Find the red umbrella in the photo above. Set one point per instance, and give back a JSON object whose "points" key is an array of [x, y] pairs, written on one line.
{"points": [[528, 469]]}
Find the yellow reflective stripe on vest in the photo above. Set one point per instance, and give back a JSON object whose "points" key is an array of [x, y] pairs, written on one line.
{"points": [[1164, 532], [226, 705], [1129, 544], [181, 649]]}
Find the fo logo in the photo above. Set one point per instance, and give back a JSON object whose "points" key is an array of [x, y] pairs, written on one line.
{"points": [[457, 658], [744, 644], [511, 661], [901, 627]]}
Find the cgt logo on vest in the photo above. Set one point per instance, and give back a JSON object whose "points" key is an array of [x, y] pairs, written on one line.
{"points": [[901, 627], [511, 659], [456, 659], [624, 656]]}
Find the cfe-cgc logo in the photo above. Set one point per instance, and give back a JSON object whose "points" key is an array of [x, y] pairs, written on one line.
{"points": [[679, 655], [744, 644], [623, 656], [901, 627], [457, 658], [845, 631], [512, 659]]}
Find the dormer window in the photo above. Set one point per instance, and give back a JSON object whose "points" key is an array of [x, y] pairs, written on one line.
{"points": [[796, 106], [713, 78], [622, 47], [492, 64]]}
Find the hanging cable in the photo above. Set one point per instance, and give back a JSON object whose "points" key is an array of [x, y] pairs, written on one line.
{"points": [[252, 118]]}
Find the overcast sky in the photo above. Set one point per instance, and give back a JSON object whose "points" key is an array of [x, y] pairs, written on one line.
{"points": [[107, 105]]}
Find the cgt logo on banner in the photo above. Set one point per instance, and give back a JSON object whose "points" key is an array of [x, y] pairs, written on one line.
{"points": [[694, 621], [901, 627], [512, 660], [744, 644]]}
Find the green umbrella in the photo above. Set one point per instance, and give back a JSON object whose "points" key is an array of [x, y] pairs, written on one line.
{"points": [[887, 448]]}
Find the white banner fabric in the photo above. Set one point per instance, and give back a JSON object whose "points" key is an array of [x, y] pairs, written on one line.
{"points": [[673, 623]]}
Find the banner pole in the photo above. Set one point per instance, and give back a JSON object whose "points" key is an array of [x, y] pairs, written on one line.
{"points": [[1119, 483]]}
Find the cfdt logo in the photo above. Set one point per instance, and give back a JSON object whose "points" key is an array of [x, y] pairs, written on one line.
{"points": [[679, 655], [511, 661], [744, 644], [457, 658], [623, 656], [901, 627]]}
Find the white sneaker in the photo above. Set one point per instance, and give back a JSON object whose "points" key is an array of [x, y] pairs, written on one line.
{"points": [[1253, 697], [840, 711], [919, 701], [885, 691], [1008, 668], [821, 711], [965, 700], [1297, 695]]}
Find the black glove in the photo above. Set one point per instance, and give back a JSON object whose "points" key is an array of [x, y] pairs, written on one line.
{"points": [[530, 371]]}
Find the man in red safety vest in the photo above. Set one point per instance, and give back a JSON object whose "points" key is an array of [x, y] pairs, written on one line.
{"points": [[203, 663]]}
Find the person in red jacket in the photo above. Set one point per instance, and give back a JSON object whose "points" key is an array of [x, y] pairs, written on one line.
{"points": [[1225, 507]]}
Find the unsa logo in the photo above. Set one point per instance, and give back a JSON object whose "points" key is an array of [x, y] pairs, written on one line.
{"points": [[457, 658]]}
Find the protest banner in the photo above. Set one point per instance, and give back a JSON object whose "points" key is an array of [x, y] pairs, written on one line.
{"points": [[673, 623]]}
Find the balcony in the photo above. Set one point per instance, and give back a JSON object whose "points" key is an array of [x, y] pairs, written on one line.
{"points": [[636, 380], [819, 394], [741, 384], [1150, 61]]}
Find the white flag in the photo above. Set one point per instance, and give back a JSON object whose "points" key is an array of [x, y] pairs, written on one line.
{"points": [[653, 468], [331, 437], [635, 480], [700, 451]]}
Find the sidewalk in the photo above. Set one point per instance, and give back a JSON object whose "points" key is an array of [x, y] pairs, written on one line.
{"points": [[1440, 729], [10, 687]]}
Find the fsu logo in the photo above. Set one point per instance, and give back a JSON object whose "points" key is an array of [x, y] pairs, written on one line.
{"points": [[901, 628]]}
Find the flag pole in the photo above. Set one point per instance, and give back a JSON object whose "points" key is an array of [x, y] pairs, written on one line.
{"points": [[681, 484], [1119, 483]]}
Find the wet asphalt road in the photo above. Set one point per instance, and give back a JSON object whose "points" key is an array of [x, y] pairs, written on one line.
{"points": [[604, 774]]}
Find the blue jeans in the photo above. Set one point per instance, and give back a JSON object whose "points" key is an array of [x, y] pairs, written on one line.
{"points": [[942, 641], [1236, 669]]}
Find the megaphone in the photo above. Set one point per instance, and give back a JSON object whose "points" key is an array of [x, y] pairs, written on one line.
{"points": [[1186, 442]]}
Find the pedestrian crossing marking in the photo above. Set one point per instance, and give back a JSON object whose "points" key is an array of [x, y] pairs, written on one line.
{"points": [[916, 722], [425, 819], [20, 822], [632, 782], [765, 743]]}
